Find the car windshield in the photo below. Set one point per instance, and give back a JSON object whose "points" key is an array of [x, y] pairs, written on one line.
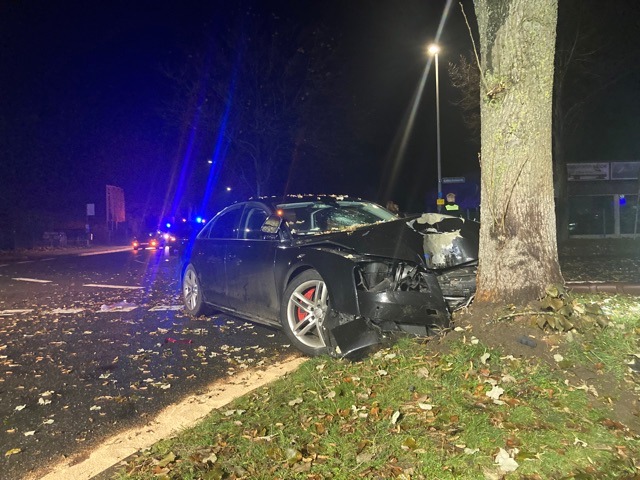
{"points": [[309, 218]]}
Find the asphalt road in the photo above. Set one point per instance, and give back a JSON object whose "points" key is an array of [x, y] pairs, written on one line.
{"points": [[90, 345]]}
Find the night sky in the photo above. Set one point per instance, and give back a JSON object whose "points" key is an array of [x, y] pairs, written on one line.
{"points": [[85, 92]]}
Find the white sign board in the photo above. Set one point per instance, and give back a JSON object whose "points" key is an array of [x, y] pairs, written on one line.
{"points": [[625, 170], [91, 209], [587, 171]]}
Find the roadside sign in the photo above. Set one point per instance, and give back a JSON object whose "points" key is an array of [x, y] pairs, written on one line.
{"points": [[91, 209], [453, 179], [440, 201]]}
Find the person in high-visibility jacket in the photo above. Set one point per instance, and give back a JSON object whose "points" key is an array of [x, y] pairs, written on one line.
{"points": [[451, 207]]}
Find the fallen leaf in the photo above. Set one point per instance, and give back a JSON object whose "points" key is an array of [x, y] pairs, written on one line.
{"points": [[495, 392], [169, 458], [293, 456], [395, 417], [505, 462], [13, 451], [409, 444], [582, 443]]}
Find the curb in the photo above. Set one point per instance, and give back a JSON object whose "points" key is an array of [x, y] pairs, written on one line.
{"points": [[605, 287]]}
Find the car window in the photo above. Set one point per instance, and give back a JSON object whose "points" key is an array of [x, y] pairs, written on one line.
{"points": [[224, 225], [252, 222]]}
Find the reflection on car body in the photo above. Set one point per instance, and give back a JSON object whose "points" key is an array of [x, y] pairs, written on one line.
{"points": [[337, 274]]}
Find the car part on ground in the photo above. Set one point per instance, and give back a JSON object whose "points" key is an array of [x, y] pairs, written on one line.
{"points": [[338, 275]]}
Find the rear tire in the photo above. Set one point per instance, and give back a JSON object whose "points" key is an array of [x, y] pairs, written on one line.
{"points": [[304, 306], [192, 293]]}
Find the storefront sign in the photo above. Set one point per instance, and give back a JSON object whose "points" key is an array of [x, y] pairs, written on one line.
{"points": [[587, 171]]}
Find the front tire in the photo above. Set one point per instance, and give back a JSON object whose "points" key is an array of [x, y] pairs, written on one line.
{"points": [[304, 307], [192, 293]]}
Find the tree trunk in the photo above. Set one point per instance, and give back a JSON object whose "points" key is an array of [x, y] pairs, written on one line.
{"points": [[518, 249]]}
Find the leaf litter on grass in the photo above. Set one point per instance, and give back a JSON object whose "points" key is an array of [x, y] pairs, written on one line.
{"points": [[466, 409]]}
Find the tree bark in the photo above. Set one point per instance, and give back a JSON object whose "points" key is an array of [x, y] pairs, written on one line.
{"points": [[518, 249]]}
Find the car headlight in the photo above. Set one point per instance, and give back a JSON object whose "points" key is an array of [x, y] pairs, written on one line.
{"points": [[379, 276]]}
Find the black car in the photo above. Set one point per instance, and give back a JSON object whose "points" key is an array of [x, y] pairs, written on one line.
{"points": [[152, 240], [337, 274], [178, 237]]}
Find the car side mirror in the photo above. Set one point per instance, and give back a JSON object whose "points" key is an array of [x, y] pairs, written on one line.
{"points": [[271, 225]]}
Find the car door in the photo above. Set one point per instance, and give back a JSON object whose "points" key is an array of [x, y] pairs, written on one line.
{"points": [[249, 265], [209, 256]]}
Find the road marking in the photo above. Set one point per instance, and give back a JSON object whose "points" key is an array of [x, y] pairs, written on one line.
{"points": [[112, 250], [67, 310], [24, 261], [48, 259], [4, 265], [33, 280], [124, 287], [123, 306], [164, 308], [6, 313]]}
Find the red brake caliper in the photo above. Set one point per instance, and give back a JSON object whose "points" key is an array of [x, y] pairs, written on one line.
{"points": [[309, 295]]}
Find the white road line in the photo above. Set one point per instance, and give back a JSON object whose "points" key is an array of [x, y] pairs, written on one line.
{"points": [[112, 250], [48, 259], [67, 310], [33, 280], [115, 308], [4, 265], [123, 287], [24, 261], [164, 308], [5, 313]]}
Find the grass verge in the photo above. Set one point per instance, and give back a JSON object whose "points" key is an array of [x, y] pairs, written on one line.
{"points": [[408, 412]]}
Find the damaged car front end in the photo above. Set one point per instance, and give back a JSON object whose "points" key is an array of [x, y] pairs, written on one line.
{"points": [[400, 276], [338, 275]]}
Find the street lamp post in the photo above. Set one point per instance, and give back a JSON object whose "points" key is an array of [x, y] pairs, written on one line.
{"points": [[434, 49]]}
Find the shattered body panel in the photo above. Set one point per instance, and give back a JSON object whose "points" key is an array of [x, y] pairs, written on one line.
{"points": [[391, 275], [448, 241]]}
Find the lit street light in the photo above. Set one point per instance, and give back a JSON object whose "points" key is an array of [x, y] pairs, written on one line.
{"points": [[434, 49]]}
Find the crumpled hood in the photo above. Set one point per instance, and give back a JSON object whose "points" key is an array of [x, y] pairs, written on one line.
{"points": [[394, 239], [433, 240]]}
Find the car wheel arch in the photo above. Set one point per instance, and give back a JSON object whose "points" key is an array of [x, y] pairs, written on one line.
{"points": [[337, 273]]}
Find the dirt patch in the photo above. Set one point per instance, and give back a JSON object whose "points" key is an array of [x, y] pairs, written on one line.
{"points": [[522, 339]]}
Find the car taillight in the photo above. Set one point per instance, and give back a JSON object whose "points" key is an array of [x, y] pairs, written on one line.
{"points": [[154, 243], [135, 244]]}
